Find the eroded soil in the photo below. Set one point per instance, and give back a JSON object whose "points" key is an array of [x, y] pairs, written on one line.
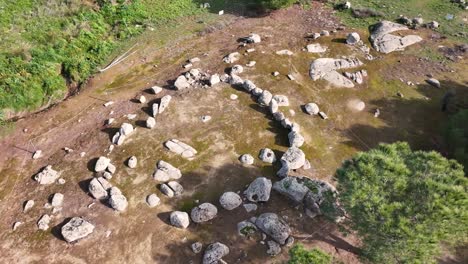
{"points": [[141, 234]]}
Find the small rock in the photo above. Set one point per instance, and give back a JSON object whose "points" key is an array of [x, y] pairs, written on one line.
{"points": [[353, 38], [205, 118], [291, 77], [132, 162], [285, 52], [214, 253], [230, 200], [433, 82], [156, 89], [233, 96], [101, 164], [180, 148], [273, 248], [237, 69], [108, 104], [46, 175], [57, 200], [246, 228], [232, 57], [246, 159], [275, 73], [142, 99], [176, 187], [165, 172], [152, 200], [250, 207], [166, 190], [274, 227], [43, 223], [165, 100], [203, 212], [312, 108], [16, 225], [28, 205], [179, 219], [267, 155], [77, 228], [253, 38], [117, 200], [316, 48], [150, 122], [214, 79], [251, 63], [323, 115], [265, 98], [196, 247], [37, 154], [111, 168]]}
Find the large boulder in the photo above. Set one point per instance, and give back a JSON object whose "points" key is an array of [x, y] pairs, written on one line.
{"points": [[259, 190], [353, 38], [292, 159], [230, 200], [43, 222], [117, 200], [274, 227], [204, 212], [166, 172], [179, 219], [77, 228], [385, 42], [214, 253], [253, 38], [292, 187], [46, 175], [265, 98], [176, 188], [316, 48], [97, 190], [57, 200], [180, 148], [326, 69]]}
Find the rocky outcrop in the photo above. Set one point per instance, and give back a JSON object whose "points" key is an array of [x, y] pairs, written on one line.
{"points": [[46, 176], [311, 193], [214, 253], [230, 200], [166, 172], [180, 148], [259, 190], [274, 227], [204, 212], [326, 69], [385, 42], [77, 228]]}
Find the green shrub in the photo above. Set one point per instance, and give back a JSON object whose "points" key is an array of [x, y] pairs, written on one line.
{"points": [[299, 255], [403, 203]]}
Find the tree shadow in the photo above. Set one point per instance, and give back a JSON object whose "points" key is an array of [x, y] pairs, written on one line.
{"points": [[419, 121]]}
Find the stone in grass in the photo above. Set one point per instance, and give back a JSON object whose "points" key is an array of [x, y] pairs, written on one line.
{"points": [[153, 200], [179, 219], [150, 122], [204, 212], [46, 175], [259, 190], [246, 159], [132, 162], [77, 228], [267, 155], [196, 247], [230, 200], [214, 253]]}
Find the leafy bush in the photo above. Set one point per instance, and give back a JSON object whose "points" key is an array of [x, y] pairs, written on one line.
{"points": [[299, 255], [403, 203]]}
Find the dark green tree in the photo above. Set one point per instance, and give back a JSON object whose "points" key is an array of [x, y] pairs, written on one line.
{"points": [[403, 203], [299, 255], [456, 136]]}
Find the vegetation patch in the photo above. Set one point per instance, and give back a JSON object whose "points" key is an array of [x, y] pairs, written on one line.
{"points": [[300, 255]]}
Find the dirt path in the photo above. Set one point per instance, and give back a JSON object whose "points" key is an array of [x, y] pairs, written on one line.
{"points": [[142, 235]]}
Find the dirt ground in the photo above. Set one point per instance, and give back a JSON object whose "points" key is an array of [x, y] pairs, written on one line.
{"points": [[141, 234]]}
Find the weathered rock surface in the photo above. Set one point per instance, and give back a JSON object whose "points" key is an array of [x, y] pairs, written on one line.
{"points": [[246, 159], [101, 164], [196, 247], [433, 82], [57, 200], [292, 159], [265, 98], [43, 223], [326, 68], [180, 148], [312, 108], [214, 253], [282, 100], [179, 219], [385, 42], [153, 200], [295, 139], [292, 187], [204, 212], [250, 207], [46, 175], [166, 190], [132, 162], [232, 57], [253, 38], [97, 190], [164, 103], [166, 172], [259, 190], [176, 187], [230, 200], [246, 228], [274, 227], [117, 200], [353, 38], [267, 155], [77, 228], [273, 248], [28, 205], [181, 83], [316, 48]]}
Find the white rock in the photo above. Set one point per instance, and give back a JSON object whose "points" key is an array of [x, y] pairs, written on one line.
{"points": [[312, 108], [117, 200], [155, 109], [285, 52], [180, 148], [57, 200], [150, 122], [295, 139], [237, 69], [230, 200], [101, 164], [353, 38], [179, 219], [156, 89], [166, 172], [132, 162], [176, 187], [126, 129], [16, 225], [233, 96], [316, 48], [181, 83], [281, 99], [46, 176], [267, 155], [28, 205], [165, 100], [37, 154], [43, 223], [108, 104], [142, 99], [246, 159], [152, 200], [77, 228], [97, 190], [265, 98], [166, 190], [232, 57], [214, 79]]}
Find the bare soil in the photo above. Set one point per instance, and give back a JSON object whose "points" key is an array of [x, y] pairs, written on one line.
{"points": [[141, 234]]}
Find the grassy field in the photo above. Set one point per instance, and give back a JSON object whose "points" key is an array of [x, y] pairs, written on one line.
{"points": [[48, 45], [429, 10]]}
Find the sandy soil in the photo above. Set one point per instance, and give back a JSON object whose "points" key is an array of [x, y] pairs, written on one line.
{"points": [[141, 234]]}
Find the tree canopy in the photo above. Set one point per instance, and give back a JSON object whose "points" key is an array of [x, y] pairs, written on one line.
{"points": [[403, 203]]}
